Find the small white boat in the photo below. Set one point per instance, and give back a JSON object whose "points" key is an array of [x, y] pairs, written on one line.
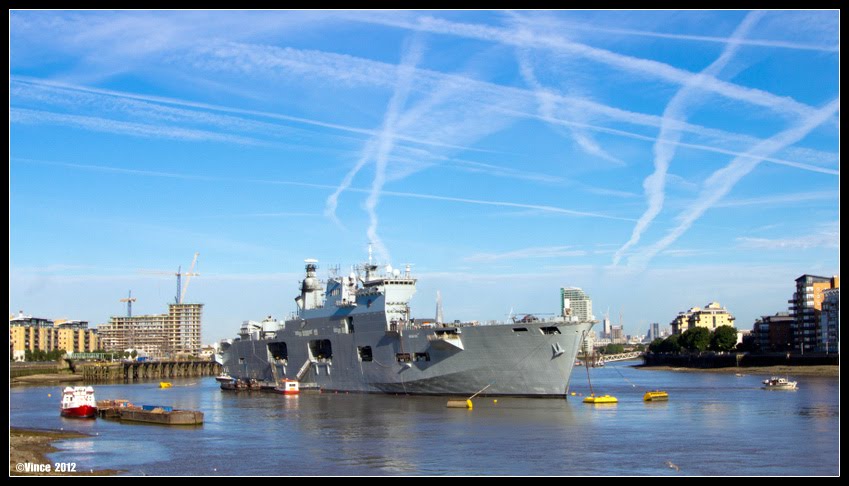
{"points": [[224, 378], [776, 383]]}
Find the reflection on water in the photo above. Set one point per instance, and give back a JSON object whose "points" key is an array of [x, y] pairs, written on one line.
{"points": [[109, 453], [713, 424]]}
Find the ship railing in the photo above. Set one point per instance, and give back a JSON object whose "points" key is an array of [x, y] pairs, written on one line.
{"points": [[442, 334]]}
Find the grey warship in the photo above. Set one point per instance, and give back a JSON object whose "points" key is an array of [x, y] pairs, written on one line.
{"points": [[356, 334]]}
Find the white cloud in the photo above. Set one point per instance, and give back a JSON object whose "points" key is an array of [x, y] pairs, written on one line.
{"points": [[827, 237], [26, 116], [527, 253]]}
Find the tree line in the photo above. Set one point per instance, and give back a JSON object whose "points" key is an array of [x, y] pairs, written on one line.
{"points": [[723, 339]]}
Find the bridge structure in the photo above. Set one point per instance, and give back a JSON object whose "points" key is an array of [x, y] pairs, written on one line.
{"points": [[601, 359]]}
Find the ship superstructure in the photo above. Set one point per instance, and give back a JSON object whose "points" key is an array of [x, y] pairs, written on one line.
{"points": [[355, 333]]}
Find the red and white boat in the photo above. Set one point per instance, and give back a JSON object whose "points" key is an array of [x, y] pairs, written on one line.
{"points": [[78, 402], [287, 387]]}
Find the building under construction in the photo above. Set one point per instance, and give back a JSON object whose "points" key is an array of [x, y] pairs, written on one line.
{"points": [[157, 336], [170, 335]]}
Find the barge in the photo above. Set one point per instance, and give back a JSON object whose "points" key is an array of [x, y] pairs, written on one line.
{"points": [[123, 410]]}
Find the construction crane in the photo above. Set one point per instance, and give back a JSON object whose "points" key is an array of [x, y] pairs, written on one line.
{"points": [[181, 289], [129, 300], [189, 275]]}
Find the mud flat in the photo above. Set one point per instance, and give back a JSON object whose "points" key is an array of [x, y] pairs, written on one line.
{"points": [[821, 370], [32, 446]]}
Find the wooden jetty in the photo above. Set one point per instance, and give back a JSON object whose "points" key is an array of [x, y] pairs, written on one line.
{"points": [[129, 372]]}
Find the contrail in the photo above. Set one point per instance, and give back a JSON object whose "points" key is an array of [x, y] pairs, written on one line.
{"points": [[723, 180], [546, 102], [413, 195], [658, 70], [664, 147], [386, 141]]}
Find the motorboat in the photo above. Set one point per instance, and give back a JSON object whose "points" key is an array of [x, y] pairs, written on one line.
{"points": [[777, 383]]}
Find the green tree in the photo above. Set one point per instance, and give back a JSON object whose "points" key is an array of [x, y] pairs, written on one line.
{"points": [[724, 338], [656, 345], [613, 349], [670, 345], [695, 339]]}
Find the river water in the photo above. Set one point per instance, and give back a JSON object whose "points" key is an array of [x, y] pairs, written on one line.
{"points": [[714, 424]]}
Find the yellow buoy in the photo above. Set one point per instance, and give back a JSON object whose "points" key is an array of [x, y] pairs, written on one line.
{"points": [[495, 401], [655, 396], [600, 399], [460, 404]]}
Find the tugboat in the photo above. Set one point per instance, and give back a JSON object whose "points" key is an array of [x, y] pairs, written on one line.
{"points": [[287, 387], [776, 383], [78, 402]]}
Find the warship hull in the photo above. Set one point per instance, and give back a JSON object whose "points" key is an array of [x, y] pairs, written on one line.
{"points": [[356, 335], [510, 359]]}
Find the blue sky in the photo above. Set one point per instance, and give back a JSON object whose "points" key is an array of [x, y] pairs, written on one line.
{"points": [[657, 159]]}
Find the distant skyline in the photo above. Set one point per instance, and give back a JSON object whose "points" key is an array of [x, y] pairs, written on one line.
{"points": [[658, 160]]}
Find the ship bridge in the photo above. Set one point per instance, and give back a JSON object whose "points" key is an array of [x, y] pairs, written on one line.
{"points": [[369, 288]]}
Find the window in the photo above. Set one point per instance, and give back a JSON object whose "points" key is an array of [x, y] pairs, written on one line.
{"points": [[520, 329], [403, 357], [422, 357], [549, 330], [365, 353]]}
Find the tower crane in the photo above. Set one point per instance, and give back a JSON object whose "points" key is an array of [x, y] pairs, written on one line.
{"points": [[129, 300], [181, 289], [189, 275]]}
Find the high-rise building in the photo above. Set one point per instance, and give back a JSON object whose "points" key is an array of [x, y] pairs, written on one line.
{"points": [[575, 303], [159, 335], [654, 331], [617, 335], [830, 321], [773, 333], [806, 309]]}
